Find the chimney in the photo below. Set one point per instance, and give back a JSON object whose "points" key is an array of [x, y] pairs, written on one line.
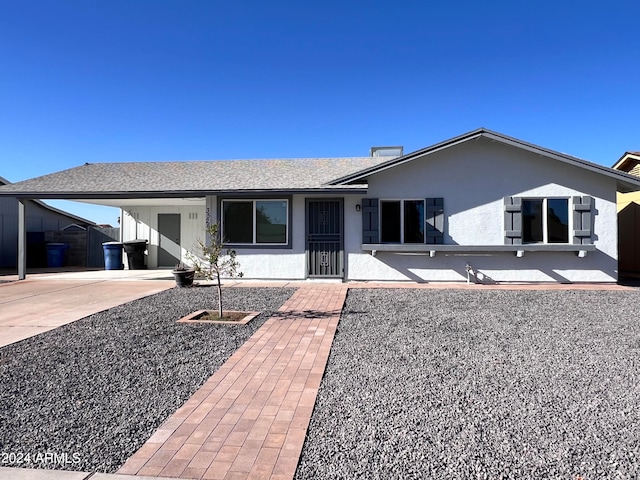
{"points": [[386, 151]]}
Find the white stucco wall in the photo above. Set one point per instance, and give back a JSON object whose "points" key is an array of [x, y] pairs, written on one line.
{"points": [[286, 263], [255, 263], [473, 179], [276, 263], [141, 222]]}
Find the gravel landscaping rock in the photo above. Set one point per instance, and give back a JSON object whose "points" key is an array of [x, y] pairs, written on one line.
{"points": [[93, 391], [480, 384]]}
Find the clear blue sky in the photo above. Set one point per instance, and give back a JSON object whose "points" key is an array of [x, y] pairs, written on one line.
{"points": [[142, 80]]}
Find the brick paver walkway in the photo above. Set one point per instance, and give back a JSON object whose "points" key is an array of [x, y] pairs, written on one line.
{"points": [[249, 420]]}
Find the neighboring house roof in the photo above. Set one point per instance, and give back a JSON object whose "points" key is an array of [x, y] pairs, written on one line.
{"points": [[629, 162], [74, 218], [626, 183], [194, 178]]}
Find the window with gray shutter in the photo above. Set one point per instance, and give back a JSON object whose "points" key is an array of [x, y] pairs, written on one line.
{"points": [[582, 220], [513, 221], [435, 220], [546, 220]]}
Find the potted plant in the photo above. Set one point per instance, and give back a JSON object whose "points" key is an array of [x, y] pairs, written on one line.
{"points": [[183, 275]]}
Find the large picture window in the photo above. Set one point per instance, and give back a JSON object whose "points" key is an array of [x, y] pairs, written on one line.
{"points": [[255, 221], [545, 220], [402, 221]]}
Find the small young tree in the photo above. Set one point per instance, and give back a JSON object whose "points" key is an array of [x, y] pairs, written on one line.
{"points": [[217, 261]]}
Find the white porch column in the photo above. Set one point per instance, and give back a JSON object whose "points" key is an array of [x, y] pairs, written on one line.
{"points": [[22, 240]]}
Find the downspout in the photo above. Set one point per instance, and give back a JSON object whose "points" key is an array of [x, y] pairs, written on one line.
{"points": [[22, 240], [120, 223]]}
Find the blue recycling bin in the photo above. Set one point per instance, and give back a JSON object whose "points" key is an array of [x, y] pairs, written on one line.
{"points": [[55, 254], [112, 256]]}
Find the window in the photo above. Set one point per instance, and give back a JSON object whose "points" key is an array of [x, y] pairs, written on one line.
{"points": [[255, 221], [390, 224], [545, 220], [402, 221]]}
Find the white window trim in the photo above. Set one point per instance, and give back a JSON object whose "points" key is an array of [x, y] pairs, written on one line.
{"points": [[545, 224], [255, 229], [402, 200]]}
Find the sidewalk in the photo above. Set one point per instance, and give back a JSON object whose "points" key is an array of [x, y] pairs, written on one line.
{"points": [[7, 473]]}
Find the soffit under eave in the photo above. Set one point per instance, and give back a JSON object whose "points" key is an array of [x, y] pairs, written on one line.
{"points": [[627, 187]]}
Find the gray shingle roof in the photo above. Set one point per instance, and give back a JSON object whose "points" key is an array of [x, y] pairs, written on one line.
{"points": [[192, 177], [198, 178], [4, 181]]}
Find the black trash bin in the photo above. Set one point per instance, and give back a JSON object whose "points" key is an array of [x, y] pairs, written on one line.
{"points": [[135, 253]]}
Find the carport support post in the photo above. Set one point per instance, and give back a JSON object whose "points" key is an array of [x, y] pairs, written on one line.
{"points": [[22, 240]]}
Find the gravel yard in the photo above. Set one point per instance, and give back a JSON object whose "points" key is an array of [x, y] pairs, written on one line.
{"points": [[480, 384], [420, 383], [93, 391]]}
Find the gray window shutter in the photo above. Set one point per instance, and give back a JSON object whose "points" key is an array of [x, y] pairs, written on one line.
{"points": [[582, 220], [513, 221], [434, 216], [370, 228]]}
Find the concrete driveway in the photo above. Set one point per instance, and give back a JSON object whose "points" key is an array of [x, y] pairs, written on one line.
{"points": [[43, 302]]}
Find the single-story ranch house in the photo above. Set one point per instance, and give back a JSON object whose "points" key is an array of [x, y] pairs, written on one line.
{"points": [[482, 205]]}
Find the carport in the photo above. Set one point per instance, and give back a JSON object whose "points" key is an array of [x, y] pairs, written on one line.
{"points": [[112, 199]]}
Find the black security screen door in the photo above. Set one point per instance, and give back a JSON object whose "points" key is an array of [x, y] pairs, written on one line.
{"points": [[324, 238]]}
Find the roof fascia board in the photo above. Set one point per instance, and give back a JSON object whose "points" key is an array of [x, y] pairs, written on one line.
{"points": [[306, 191], [175, 194], [558, 156], [622, 177], [625, 181], [4, 181]]}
